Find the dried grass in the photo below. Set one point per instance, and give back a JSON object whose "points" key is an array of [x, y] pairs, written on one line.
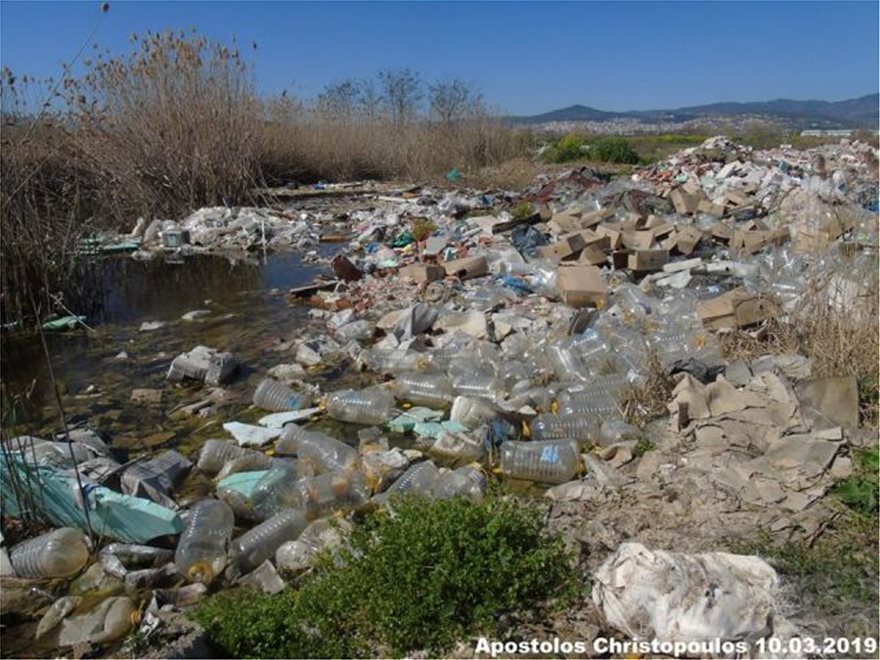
{"points": [[643, 402]]}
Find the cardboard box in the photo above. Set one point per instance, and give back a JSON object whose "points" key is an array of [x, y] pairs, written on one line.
{"points": [[684, 203], [639, 260], [735, 309], [709, 208], [615, 237], [686, 239], [423, 272], [567, 246], [638, 240], [755, 240], [467, 268], [593, 255], [721, 232], [580, 285]]}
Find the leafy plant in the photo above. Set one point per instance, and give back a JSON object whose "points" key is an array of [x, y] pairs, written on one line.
{"points": [[567, 148], [860, 491], [613, 150], [434, 573], [522, 210], [422, 228]]}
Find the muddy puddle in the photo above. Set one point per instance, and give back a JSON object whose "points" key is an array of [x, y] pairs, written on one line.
{"points": [[249, 314]]}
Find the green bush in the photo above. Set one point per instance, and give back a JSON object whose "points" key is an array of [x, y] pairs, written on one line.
{"points": [[567, 148], [613, 150], [431, 575], [860, 491]]}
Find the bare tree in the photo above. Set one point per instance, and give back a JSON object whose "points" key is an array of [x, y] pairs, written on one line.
{"points": [[402, 90], [454, 100], [340, 99], [370, 99]]}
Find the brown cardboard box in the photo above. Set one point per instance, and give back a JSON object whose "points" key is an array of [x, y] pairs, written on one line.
{"points": [[638, 240], [562, 223], [662, 229], [423, 272], [580, 285], [705, 206], [755, 240], [567, 246], [467, 268], [735, 309], [644, 260], [721, 232], [615, 237], [684, 203], [595, 217], [686, 239], [736, 198], [593, 255]]}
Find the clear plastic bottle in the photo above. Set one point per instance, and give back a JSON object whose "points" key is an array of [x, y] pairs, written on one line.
{"points": [[432, 390], [417, 479], [565, 427], [56, 554], [202, 549], [566, 361], [272, 395], [334, 492], [586, 404], [250, 462], [468, 481], [369, 406], [217, 453], [393, 361], [326, 453], [276, 491], [484, 387], [552, 462], [260, 543]]}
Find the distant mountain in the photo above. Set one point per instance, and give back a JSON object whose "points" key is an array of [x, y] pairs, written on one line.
{"points": [[851, 113]]}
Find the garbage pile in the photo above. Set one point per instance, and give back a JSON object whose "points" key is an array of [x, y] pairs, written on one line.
{"points": [[500, 344]]}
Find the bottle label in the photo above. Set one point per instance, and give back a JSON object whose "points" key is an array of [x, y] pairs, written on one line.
{"points": [[550, 454]]}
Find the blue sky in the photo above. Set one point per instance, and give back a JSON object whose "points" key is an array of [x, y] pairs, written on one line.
{"points": [[526, 57]]}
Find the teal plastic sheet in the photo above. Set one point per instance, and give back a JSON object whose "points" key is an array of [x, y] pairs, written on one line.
{"points": [[56, 498]]}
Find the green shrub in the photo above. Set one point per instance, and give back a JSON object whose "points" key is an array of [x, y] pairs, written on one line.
{"points": [[567, 148], [613, 150], [433, 574], [523, 210], [860, 491]]}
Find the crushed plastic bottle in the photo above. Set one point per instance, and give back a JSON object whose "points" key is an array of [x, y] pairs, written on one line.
{"points": [[484, 387], [369, 406], [272, 395], [334, 492], [326, 453], [552, 462], [250, 462], [468, 481], [56, 554], [202, 549], [565, 427], [260, 543], [417, 479], [432, 390], [217, 453]]}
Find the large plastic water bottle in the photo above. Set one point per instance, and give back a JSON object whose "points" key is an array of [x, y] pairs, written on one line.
{"points": [[584, 428], [334, 492], [432, 390], [272, 395], [202, 550], [393, 361], [260, 543], [468, 481], [417, 479], [369, 406], [217, 453], [552, 462], [326, 453], [56, 554], [477, 386]]}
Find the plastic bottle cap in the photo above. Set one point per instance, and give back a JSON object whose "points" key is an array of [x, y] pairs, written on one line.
{"points": [[200, 572]]}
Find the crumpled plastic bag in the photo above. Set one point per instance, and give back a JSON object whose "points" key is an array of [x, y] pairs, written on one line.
{"points": [[676, 597]]}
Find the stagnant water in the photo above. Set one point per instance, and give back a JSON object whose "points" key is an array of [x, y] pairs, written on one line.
{"points": [[250, 314]]}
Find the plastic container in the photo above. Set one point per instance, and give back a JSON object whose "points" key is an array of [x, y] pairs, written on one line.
{"points": [[432, 390], [467, 481], [553, 462], [484, 387], [417, 479], [274, 396], [276, 491], [250, 462], [294, 556], [202, 550], [369, 406], [566, 361], [326, 453], [393, 361], [334, 492], [260, 543], [217, 453], [56, 554], [579, 427]]}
